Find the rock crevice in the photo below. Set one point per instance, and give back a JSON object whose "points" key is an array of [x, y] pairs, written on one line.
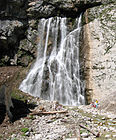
{"points": [[18, 26]]}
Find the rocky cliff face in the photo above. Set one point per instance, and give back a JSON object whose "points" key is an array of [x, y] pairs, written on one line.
{"points": [[18, 28], [19, 38], [13, 23], [100, 47], [48, 8]]}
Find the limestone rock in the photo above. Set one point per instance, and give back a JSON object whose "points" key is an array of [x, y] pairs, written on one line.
{"points": [[48, 8], [10, 33], [100, 48]]}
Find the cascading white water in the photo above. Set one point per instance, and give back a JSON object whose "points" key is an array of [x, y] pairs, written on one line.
{"points": [[56, 72]]}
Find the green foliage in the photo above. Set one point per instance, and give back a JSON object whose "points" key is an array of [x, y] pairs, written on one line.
{"points": [[31, 117], [82, 131], [24, 130], [18, 96], [4, 61], [1, 136], [83, 20]]}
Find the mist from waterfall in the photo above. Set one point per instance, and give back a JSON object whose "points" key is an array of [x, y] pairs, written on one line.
{"points": [[56, 73]]}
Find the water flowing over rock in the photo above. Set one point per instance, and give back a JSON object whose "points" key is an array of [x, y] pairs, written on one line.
{"points": [[19, 39], [56, 72]]}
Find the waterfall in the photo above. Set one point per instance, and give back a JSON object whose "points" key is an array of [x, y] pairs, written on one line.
{"points": [[56, 73]]}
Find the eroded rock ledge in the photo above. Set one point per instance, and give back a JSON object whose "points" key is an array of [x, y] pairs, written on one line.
{"points": [[44, 8], [18, 24], [69, 8]]}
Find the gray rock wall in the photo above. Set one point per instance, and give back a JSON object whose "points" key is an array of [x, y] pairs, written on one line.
{"points": [[18, 38], [13, 23], [48, 8], [100, 51]]}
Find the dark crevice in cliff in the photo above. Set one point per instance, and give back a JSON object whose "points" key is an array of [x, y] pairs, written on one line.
{"points": [[16, 15], [73, 12]]}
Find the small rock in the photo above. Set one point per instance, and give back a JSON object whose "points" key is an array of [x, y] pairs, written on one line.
{"points": [[49, 121], [70, 139], [109, 123], [88, 122], [86, 138], [114, 131], [84, 135], [95, 125], [103, 118], [27, 134], [104, 128], [111, 128], [31, 129], [13, 135], [114, 136], [107, 136], [91, 119], [94, 116], [37, 136]]}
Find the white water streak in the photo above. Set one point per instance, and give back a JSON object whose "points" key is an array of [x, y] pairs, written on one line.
{"points": [[57, 76]]}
